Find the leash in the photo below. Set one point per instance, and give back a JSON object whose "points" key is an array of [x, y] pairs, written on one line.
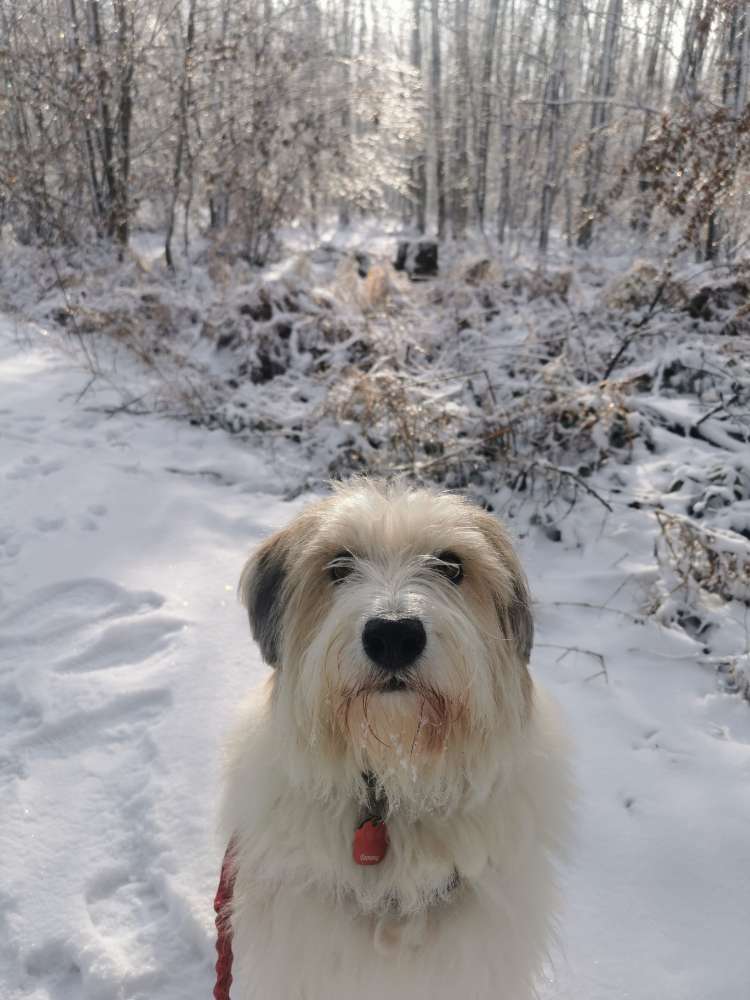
{"points": [[369, 847], [222, 903]]}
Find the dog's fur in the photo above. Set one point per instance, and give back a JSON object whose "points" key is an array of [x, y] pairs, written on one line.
{"points": [[468, 759]]}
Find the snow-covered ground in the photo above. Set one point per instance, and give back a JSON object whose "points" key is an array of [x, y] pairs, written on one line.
{"points": [[123, 653]]}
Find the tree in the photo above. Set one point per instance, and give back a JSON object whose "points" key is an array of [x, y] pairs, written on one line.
{"points": [[600, 117], [437, 120]]}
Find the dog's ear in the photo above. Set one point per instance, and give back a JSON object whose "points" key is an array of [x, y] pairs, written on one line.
{"points": [[515, 614], [520, 617], [262, 591]]}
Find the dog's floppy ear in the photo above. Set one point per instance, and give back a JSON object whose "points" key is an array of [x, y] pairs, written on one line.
{"points": [[515, 615], [520, 618], [262, 591]]}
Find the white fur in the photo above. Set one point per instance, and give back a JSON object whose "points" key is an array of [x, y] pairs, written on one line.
{"points": [[491, 803]]}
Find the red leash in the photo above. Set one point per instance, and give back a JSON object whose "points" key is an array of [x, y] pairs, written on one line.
{"points": [[368, 848], [223, 928]]}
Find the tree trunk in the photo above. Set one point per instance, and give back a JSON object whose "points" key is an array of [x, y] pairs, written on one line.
{"points": [[460, 172], [555, 94], [642, 213], [96, 194], [184, 99], [346, 107], [733, 93], [125, 117], [419, 159], [504, 206], [600, 117], [437, 117], [483, 127], [106, 137]]}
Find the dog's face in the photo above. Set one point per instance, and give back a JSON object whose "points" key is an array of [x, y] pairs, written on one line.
{"points": [[399, 623]]}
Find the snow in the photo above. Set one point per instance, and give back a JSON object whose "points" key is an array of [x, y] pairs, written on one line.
{"points": [[123, 653]]}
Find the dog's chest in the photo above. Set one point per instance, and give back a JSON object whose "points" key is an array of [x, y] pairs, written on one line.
{"points": [[298, 943]]}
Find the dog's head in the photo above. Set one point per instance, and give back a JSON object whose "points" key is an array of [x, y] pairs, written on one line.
{"points": [[399, 624]]}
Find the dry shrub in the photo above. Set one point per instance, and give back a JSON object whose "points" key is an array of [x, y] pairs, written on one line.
{"points": [[639, 287], [381, 287], [117, 323], [717, 561], [532, 283], [543, 284], [476, 271], [378, 286], [397, 415]]}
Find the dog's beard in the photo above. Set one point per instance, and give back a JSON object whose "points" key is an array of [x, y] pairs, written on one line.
{"points": [[403, 719], [395, 724]]}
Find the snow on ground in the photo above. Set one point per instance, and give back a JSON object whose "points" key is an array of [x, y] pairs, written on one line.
{"points": [[123, 653]]}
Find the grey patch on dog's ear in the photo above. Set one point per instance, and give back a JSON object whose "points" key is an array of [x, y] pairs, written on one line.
{"points": [[521, 618], [515, 617], [262, 593]]}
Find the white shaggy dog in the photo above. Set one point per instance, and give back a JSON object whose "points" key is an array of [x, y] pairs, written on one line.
{"points": [[401, 727]]}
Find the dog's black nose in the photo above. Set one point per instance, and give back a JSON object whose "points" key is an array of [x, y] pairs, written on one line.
{"points": [[393, 643]]}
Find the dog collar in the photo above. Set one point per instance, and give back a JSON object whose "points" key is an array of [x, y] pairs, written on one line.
{"points": [[370, 843]]}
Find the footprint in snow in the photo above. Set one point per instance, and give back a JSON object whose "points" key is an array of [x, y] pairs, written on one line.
{"points": [[54, 961], [16, 711], [80, 627], [47, 524], [60, 609], [120, 903], [120, 720], [31, 467], [124, 644]]}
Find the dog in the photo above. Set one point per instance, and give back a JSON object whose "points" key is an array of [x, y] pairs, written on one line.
{"points": [[397, 794]]}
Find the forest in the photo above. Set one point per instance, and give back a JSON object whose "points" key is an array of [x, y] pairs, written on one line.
{"points": [[530, 122]]}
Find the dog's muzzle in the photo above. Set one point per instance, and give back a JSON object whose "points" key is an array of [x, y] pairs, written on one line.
{"points": [[393, 644]]}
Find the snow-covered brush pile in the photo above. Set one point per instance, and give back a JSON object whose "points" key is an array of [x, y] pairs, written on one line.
{"points": [[488, 373], [533, 389]]}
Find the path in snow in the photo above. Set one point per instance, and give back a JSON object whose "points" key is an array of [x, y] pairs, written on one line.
{"points": [[123, 652]]}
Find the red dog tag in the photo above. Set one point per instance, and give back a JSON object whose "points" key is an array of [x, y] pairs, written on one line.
{"points": [[370, 842]]}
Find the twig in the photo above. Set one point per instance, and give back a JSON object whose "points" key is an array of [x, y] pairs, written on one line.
{"points": [[721, 406], [85, 389], [419, 467], [548, 466], [112, 411], [490, 386], [615, 360], [618, 588], [566, 650], [93, 367], [598, 607]]}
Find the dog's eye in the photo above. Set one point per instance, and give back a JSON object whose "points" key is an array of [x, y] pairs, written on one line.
{"points": [[450, 566], [340, 567]]}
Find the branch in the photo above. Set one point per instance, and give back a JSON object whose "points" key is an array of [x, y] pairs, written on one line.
{"points": [[577, 649], [615, 360]]}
